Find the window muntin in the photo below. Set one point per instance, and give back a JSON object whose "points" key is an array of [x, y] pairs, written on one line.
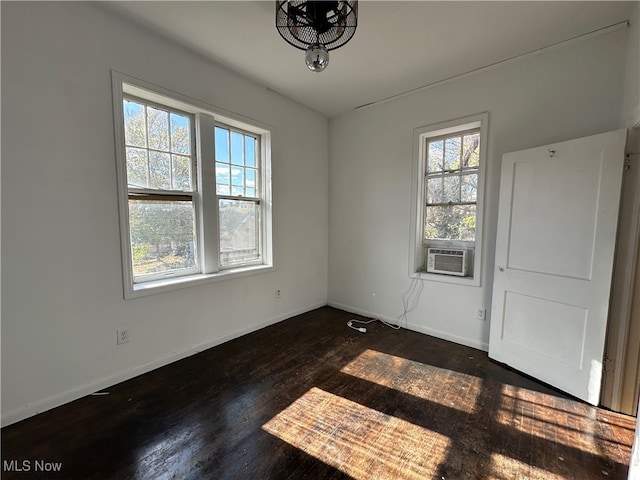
{"points": [[161, 194], [451, 186]]}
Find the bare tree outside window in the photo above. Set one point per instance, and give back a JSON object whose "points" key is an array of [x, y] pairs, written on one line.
{"points": [[159, 177], [452, 186]]}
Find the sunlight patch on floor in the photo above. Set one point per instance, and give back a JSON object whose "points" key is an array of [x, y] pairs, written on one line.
{"points": [[359, 441], [446, 387], [507, 468], [566, 423]]}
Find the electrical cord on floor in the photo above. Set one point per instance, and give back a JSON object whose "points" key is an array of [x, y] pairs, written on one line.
{"points": [[359, 329], [366, 322], [406, 299]]}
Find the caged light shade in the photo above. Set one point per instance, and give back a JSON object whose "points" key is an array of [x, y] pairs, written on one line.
{"points": [[316, 27]]}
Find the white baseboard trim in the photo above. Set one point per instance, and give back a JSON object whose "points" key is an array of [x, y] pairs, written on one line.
{"points": [[468, 342], [53, 401]]}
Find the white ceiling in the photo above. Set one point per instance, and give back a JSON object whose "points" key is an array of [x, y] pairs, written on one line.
{"points": [[398, 46]]}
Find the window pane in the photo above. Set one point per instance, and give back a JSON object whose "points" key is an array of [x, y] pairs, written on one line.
{"points": [[452, 153], [237, 150], [434, 190], [250, 151], [250, 179], [137, 167], [450, 222], [181, 172], [434, 156], [451, 189], [158, 129], [222, 144], [159, 170], [237, 176], [180, 134], [223, 176], [239, 231], [471, 150], [162, 236], [469, 187], [135, 131]]}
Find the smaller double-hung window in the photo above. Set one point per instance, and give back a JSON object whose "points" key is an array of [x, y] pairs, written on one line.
{"points": [[452, 186], [238, 191], [194, 186], [447, 200]]}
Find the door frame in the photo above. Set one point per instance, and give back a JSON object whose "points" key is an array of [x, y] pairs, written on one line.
{"points": [[622, 372]]}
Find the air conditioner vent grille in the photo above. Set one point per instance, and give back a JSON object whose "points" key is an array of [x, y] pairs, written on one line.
{"points": [[448, 261]]}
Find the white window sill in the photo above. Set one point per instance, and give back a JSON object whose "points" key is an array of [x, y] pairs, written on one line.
{"points": [[437, 277], [167, 284]]}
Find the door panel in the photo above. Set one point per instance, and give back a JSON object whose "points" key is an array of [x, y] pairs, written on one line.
{"points": [[527, 319], [568, 251], [557, 221]]}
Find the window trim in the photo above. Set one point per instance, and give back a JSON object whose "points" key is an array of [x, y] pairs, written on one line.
{"points": [[417, 248], [204, 116]]}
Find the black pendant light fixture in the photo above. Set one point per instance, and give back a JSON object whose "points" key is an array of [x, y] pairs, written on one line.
{"points": [[316, 27]]}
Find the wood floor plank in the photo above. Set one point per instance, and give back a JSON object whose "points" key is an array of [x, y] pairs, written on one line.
{"points": [[309, 398]]}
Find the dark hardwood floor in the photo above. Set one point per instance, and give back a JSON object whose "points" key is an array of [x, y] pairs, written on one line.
{"points": [[309, 398]]}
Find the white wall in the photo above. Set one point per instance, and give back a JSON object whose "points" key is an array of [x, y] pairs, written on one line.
{"points": [[631, 99], [62, 297], [565, 93]]}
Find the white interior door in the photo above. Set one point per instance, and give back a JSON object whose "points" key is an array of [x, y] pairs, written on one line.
{"points": [[557, 220]]}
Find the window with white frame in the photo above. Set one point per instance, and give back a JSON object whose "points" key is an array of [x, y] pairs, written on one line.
{"points": [[448, 194], [238, 190], [161, 192], [194, 190], [452, 186]]}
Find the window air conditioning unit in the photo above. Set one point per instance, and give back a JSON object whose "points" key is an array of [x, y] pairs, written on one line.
{"points": [[449, 261]]}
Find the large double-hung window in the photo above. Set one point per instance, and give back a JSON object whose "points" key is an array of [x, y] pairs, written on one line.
{"points": [[161, 191], [194, 190]]}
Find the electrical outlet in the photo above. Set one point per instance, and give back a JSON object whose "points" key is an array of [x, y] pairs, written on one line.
{"points": [[480, 314], [123, 336], [278, 293]]}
